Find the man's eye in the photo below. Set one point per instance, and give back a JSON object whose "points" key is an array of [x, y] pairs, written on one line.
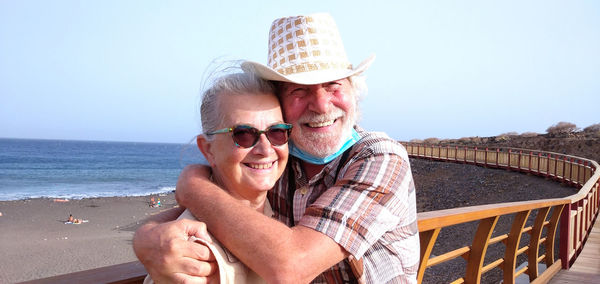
{"points": [[332, 85], [297, 92]]}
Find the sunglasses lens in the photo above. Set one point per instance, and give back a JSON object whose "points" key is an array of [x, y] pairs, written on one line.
{"points": [[245, 137], [277, 135]]}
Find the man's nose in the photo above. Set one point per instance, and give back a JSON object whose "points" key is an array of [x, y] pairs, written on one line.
{"points": [[320, 99]]}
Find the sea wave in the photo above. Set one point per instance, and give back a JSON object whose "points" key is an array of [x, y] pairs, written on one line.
{"points": [[8, 196]]}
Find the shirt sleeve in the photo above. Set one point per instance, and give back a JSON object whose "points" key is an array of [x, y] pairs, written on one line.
{"points": [[373, 195]]}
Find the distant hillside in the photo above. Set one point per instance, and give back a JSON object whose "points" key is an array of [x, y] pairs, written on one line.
{"points": [[582, 144]]}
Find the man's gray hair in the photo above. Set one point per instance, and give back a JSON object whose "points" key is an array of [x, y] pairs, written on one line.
{"points": [[359, 86], [359, 90], [229, 84]]}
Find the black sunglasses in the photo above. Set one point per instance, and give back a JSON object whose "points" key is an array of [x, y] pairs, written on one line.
{"points": [[247, 136]]}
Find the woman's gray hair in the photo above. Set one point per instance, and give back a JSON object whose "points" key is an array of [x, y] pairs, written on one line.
{"points": [[229, 84]]}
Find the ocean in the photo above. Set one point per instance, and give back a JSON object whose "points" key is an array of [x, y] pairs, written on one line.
{"points": [[82, 169]]}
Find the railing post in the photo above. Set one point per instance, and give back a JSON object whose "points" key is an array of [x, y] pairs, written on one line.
{"points": [[512, 245], [556, 166], [565, 236], [497, 156], [475, 156], [427, 240], [548, 165], [579, 167], [456, 153], [509, 152], [478, 249], [539, 169], [486, 158], [571, 170], [564, 169], [447, 152], [530, 154], [519, 160], [551, 233], [534, 243]]}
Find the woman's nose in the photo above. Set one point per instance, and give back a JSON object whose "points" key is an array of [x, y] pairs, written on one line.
{"points": [[263, 145]]}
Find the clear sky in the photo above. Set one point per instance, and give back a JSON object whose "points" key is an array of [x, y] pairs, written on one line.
{"points": [[132, 70]]}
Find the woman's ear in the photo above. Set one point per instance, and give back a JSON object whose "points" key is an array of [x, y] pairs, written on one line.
{"points": [[205, 147]]}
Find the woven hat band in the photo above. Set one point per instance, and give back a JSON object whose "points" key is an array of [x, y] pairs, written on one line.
{"points": [[306, 67]]}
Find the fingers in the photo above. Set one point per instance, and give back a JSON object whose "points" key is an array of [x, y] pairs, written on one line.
{"points": [[198, 249], [196, 229], [168, 255], [183, 278], [197, 268], [182, 268]]}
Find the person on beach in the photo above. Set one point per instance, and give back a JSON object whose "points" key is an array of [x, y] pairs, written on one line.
{"points": [[72, 220], [347, 196], [245, 142]]}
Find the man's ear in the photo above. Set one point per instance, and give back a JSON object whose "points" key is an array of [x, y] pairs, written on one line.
{"points": [[205, 147]]}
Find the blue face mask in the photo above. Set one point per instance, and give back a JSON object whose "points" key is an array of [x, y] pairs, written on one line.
{"points": [[294, 151]]}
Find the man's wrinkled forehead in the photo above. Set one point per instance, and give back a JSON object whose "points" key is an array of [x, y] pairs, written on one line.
{"points": [[283, 87]]}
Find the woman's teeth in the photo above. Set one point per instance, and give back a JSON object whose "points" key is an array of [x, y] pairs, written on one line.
{"points": [[260, 166]]}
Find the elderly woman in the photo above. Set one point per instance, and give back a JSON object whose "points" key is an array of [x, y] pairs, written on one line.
{"points": [[236, 111]]}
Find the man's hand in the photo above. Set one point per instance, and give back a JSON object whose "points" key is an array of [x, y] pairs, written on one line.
{"points": [[169, 256]]}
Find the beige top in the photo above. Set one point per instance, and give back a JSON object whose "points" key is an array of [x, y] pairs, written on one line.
{"points": [[231, 270]]}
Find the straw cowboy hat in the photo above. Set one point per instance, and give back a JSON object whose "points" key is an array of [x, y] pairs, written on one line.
{"points": [[306, 50]]}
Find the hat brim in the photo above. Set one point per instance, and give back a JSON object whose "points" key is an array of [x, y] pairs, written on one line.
{"points": [[305, 78]]}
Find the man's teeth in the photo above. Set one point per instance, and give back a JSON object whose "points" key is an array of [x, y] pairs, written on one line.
{"points": [[321, 124], [261, 166]]}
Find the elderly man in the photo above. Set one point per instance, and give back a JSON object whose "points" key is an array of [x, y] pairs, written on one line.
{"points": [[347, 196]]}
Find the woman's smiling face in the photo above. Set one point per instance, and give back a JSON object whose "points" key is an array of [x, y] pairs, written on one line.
{"points": [[247, 172]]}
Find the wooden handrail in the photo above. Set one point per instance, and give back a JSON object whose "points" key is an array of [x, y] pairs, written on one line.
{"points": [[576, 213], [125, 273]]}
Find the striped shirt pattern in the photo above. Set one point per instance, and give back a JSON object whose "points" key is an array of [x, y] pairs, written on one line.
{"points": [[370, 210]]}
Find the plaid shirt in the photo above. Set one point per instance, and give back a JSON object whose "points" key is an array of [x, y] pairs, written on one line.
{"points": [[370, 210]]}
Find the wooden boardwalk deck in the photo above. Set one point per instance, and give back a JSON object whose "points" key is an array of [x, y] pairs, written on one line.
{"points": [[586, 268]]}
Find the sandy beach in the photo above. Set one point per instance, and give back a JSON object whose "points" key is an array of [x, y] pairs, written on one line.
{"points": [[35, 241]]}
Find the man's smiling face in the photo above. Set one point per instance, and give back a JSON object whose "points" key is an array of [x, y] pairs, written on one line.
{"points": [[322, 114]]}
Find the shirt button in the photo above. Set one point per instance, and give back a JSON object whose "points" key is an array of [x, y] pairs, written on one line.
{"points": [[303, 190]]}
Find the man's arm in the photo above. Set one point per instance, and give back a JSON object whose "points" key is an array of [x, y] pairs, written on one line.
{"points": [[162, 246], [273, 250]]}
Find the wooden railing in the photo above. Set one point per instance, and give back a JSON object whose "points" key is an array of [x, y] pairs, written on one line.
{"points": [[575, 214], [572, 216], [125, 273]]}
